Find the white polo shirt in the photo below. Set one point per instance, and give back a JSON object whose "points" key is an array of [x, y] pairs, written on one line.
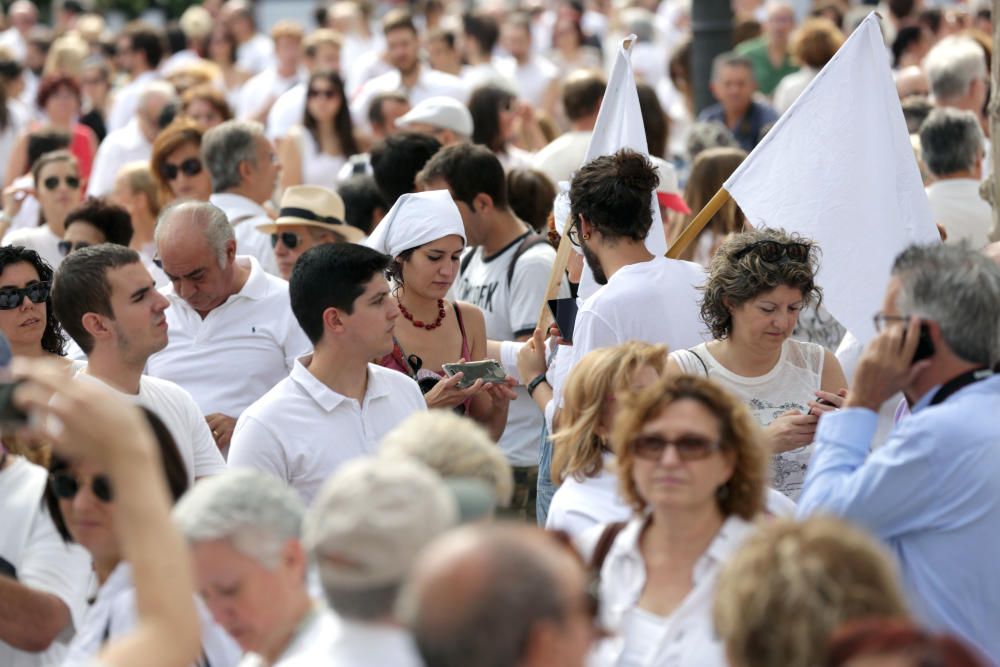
{"points": [[253, 333], [244, 215], [302, 431]]}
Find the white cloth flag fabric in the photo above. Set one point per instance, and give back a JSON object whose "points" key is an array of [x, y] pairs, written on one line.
{"points": [[838, 168]]}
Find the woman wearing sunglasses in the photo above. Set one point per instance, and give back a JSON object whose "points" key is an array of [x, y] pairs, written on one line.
{"points": [[314, 152], [691, 466], [176, 163], [57, 189], [425, 236], [758, 283]]}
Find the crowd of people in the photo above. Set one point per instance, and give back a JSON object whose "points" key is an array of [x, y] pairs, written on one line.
{"points": [[279, 384]]}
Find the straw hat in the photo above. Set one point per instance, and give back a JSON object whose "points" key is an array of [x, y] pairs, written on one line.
{"points": [[313, 206]]}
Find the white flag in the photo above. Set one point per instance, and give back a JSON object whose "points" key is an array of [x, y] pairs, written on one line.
{"points": [[838, 168]]}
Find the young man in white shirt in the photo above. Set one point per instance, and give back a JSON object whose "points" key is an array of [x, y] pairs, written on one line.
{"points": [[108, 304], [583, 92], [335, 405], [142, 49], [255, 51], [227, 314], [260, 93]]}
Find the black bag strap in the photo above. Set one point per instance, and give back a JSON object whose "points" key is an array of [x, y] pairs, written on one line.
{"points": [[603, 546], [530, 240]]}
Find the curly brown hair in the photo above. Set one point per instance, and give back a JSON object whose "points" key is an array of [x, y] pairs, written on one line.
{"points": [[734, 281], [739, 435]]}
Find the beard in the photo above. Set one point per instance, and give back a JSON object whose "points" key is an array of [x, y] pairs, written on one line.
{"points": [[595, 265]]}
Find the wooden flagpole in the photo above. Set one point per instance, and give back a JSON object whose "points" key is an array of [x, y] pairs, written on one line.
{"points": [[694, 227]]}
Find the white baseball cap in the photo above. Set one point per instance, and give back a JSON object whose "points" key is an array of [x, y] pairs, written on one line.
{"points": [[442, 112]]}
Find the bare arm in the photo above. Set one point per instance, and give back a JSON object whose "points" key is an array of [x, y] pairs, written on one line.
{"points": [[30, 620], [485, 408], [291, 161]]}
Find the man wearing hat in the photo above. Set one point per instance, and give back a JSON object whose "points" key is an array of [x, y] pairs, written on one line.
{"points": [[310, 215], [444, 118]]}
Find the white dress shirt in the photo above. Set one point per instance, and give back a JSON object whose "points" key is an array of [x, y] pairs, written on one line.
{"points": [[361, 644], [121, 146], [687, 636], [957, 206], [253, 333], [302, 431], [126, 102], [244, 215], [430, 83]]}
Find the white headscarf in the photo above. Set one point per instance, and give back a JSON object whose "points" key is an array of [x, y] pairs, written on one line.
{"points": [[416, 219]]}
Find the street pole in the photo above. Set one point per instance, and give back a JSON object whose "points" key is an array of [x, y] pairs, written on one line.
{"points": [[712, 24]]}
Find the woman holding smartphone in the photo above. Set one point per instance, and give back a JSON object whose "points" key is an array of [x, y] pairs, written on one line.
{"points": [[425, 236]]}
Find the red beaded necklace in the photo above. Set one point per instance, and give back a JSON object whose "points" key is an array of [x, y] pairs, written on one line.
{"points": [[417, 323]]}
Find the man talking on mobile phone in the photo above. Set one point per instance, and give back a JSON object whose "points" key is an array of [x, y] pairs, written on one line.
{"points": [[932, 492]]}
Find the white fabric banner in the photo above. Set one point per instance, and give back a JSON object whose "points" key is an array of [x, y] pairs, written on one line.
{"points": [[838, 168]]}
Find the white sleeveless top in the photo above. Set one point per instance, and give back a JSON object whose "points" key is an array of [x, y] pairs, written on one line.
{"points": [[318, 168], [790, 385]]}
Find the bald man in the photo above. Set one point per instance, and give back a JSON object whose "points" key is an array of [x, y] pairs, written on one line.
{"points": [[505, 595]]}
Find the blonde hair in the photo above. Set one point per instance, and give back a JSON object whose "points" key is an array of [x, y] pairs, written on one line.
{"points": [[744, 496], [66, 56], [290, 29], [781, 596], [602, 374], [139, 178]]}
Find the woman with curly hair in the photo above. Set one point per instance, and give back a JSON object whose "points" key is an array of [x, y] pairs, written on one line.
{"points": [[758, 283]]}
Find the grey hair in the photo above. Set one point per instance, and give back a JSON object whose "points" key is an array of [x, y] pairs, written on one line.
{"points": [[218, 232], [453, 447], [157, 89], [256, 513], [950, 141], [952, 65], [367, 604], [960, 290], [225, 146], [730, 59]]}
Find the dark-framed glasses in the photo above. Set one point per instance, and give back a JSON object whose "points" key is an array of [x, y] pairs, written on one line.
{"points": [[189, 167], [689, 447], [66, 247], [290, 240], [66, 486], [573, 233], [52, 182], [772, 251], [11, 297]]}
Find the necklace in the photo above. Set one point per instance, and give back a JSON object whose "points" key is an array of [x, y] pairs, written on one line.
{"points": [[419, 324]]}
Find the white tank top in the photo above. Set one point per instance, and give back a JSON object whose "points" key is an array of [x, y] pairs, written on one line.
{"points": [[317, 168], [790, 385]]}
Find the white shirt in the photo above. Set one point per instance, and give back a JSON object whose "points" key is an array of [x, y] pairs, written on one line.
{"points": [[126, 103], [121, 146], [430, 83], [302, 431], [687, 636], [40, 239], [563, 156], [30, 542], [791, 86], [17, 119], [12, 40], [316, 167], [287, 110], [179, 61], [263, 87], [533, 78], [314, 634], [114, 614], [361, 644], [255, 54], [957, 206], [183, 419], [244, 215], [254, 332]]}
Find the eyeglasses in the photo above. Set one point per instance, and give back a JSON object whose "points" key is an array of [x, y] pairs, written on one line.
{"points": [[52, 182], [328, 93], [772, 251], [289, 239], [189, 167], [689, 447], [66, 247], [11, 297], [881, 320], [65, 486]]}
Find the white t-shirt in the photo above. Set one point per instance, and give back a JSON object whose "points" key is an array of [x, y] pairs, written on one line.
{"points": [[113, 614], [790, 385], [253, 333], [244, 215], [122, 146], [302, 431], [30, 542], [511, 311], [363, 645], [957, 206], [40, 239], [563, 156], [184, 421]]}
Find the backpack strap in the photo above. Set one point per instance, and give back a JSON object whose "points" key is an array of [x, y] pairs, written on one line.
{"points": [[466, 260], [530, 240], [603, 546]]}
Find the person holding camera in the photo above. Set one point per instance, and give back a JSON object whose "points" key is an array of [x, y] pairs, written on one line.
{"points": [[932, 492]]}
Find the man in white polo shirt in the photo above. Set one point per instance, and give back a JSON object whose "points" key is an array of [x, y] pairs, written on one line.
{"points": [[108, 304], [335, 406], [228, 316]]}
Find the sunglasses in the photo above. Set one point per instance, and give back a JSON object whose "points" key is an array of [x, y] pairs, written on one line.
{"points": [[66, 247], [329, 93], [689, 447], [11, 297], [65, 486], [772, 251], [189, 167], [52, 182], [289, 239]]}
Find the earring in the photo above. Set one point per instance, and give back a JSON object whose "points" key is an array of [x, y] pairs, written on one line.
{"points": [[586, 237]]}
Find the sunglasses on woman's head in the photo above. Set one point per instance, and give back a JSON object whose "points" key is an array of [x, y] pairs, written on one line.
{"points": [[66, 486], [11, 297], [289, 239], [66, 247], [328, 93], [52, 182], [772, 251], [689, 447], [189, 167]]}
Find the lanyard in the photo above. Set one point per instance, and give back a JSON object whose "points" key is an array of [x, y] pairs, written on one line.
{"points": [[960, 382]]}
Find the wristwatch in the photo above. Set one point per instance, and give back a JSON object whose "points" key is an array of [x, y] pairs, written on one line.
{"points": [[537, 380]]}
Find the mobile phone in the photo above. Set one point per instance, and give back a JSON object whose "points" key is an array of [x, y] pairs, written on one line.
{"points": [[564, 313], [925, 346], [488, 370]]}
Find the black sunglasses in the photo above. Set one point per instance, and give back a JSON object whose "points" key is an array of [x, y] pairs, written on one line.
{"points": [[289, 239], [52, 182], [772, 251], [11, 297], [328, 94], [66, 247], [65, 486], [190, 167]]}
